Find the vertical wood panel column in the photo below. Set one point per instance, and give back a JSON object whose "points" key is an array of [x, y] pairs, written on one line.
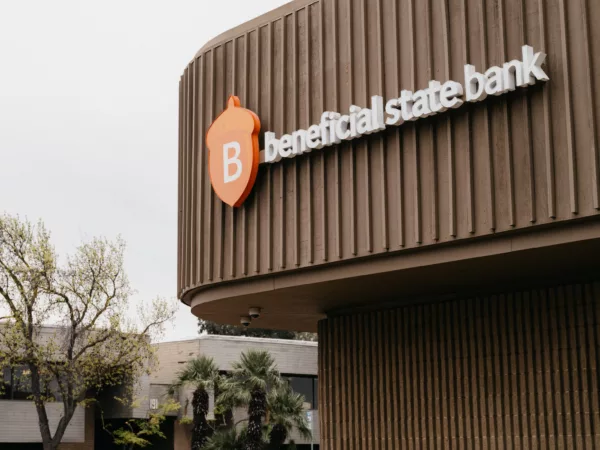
{"points": [[514, 370]]}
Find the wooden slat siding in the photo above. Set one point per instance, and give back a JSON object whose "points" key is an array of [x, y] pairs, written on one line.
{"points": [[577, 318], [572, 159], [201, 171], [522, 373], [323, 389], [256, 105], [284, 114], [354, 384], [191, 217], [547, 111], [432, 130], [190, 173], [385, 244], [396, 75], [322, 105], [331, 386], [486, 123], [591, 368], [543, 379], [433, 411], [231, 88], [399, 405], [526, 100], [180, 221], [344, 391], [443, 5], [365, 86], [387, 369], [308, 182], [194, 170], [418, 395], [382, 371], [471, 385], [370, 404], [534, 361], [219, 104], [293, 125], [207, 191], [487, 369], [183, 177], [506, 116], [186, 176], [458, 359], [592, 104], [351, 147], [246, 100], [372, 373], [271, 113], [468, 142], [335, 83], [391, 381], [553, 145], [211, 194], [416, 213]]}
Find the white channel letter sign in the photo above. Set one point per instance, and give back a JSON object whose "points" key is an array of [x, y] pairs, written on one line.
{"points": [[410, 106]]}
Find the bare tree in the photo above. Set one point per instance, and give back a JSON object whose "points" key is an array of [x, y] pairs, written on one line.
{"points": [[88, 294]]}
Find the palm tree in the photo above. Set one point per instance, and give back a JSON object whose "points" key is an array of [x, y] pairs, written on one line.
{"points": [[250, 379], [285, 412], [203, 374], [226, 439]]}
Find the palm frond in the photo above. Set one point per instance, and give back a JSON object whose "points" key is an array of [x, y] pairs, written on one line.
{"points": [[286, 408], [256, 370], [201, 372], [226, 440]]}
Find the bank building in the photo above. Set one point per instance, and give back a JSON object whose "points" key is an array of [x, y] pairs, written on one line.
{"points": [[418, 182]]}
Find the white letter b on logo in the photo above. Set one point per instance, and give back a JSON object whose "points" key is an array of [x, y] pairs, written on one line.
{"points": [[229, 160]]}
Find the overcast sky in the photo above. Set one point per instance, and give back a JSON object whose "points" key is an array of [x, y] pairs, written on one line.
{"points": [[88, 121]]}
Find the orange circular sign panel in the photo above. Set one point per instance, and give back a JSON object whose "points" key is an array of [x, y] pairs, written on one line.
{"points": [[233, 153]]}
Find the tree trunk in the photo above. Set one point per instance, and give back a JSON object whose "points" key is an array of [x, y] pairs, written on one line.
{"points": [[49, 442], [201, 430], [256, 411], [277, 437]]}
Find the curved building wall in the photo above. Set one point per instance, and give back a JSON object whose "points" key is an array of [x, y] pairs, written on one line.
{"points": [[519, 161], [395, 243]]}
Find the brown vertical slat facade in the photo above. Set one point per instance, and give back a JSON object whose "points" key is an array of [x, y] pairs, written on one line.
{"points": [[529, 157], [508, 370], [336, 233]]}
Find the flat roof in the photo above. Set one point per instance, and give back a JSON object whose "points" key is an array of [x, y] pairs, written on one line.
{"points": [[216, 337]]}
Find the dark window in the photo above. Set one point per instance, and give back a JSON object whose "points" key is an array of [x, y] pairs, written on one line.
{"points": [[307, 386], [17, 383]]}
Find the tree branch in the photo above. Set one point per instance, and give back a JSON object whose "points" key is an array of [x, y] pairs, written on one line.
{"points": [[13, 308], [91, 344], [16, 280]]}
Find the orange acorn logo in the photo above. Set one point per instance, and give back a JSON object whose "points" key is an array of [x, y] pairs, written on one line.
{"points": [[233, 152]]}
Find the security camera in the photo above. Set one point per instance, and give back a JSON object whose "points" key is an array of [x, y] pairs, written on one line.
{"points": [[254, 312], [245, 320]]}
